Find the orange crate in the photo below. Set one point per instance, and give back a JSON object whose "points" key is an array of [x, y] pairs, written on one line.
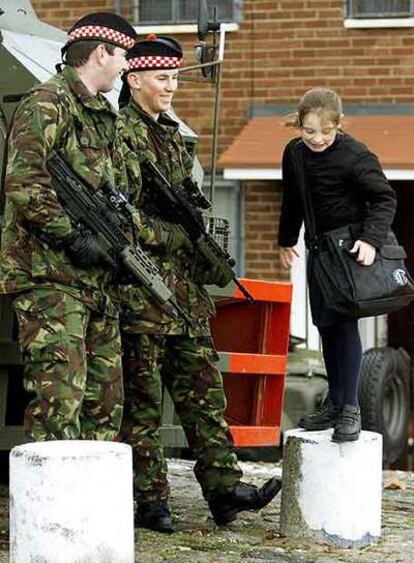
{"points": [[252, 341]]}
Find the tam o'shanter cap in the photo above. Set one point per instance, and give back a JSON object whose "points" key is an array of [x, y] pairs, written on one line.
{"points": [[154, 53], [105, 27]]}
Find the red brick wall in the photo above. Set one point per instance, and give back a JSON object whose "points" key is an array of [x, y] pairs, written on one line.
{"points": [[262, 210], [62, 13]]}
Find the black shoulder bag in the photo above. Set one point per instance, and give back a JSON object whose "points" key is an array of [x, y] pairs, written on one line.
{"points": [[347, 287]]}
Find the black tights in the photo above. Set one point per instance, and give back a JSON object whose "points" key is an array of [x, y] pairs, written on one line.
{"points": [[342, 352]]}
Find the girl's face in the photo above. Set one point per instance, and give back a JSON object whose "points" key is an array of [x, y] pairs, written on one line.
{"points": [[318, 133]]}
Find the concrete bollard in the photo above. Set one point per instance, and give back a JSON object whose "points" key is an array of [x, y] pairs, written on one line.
{"points": [[71, 501], [332, 492]]}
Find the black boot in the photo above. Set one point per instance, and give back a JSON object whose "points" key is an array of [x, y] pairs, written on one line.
{"points": [[154, 515], [225, 507], [348, 427], [326, 416]]}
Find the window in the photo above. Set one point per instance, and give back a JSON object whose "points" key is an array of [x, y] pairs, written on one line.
{"points": [[379, 8], [183, 11]]}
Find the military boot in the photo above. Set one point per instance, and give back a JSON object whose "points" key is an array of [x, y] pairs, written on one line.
{"points": [[154, 515], [348, 427], [326, 416], [225, 506]]}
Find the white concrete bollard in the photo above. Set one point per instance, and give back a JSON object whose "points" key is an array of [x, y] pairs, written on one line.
{"points": [[71, 501], [332, 492]]}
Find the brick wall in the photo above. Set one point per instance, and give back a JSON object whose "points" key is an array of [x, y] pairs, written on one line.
{"points": [[62, 13], [262, 210]]}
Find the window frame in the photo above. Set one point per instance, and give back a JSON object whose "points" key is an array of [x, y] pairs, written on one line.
{"points": [[176, 29], [237, 8], [377, 20], [378, 15]]}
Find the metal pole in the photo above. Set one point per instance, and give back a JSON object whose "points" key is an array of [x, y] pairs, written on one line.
{"points": [[217, 113], [135, 11], [198, 66], [118, 7], [215, 134]]}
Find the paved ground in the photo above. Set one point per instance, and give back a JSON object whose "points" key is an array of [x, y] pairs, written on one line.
{"points": [[254, 537]]}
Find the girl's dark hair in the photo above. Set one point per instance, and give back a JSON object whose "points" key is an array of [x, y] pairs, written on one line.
{"points": [[326, 103]]}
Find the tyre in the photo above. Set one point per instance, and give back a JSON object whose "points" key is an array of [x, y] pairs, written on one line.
{"points": [[384, 396]]}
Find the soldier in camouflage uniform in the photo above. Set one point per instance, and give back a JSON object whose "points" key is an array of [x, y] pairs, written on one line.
{"points": [[158, 350], [58, 273]]}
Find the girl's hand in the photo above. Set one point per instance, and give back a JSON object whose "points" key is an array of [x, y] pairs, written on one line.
{"points": [[366, 252], [287, 256]]}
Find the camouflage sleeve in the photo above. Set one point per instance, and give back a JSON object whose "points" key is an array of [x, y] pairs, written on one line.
{"points": [[28, 183], [151, 230], [187, 159], [131, 162], [155, 233]]}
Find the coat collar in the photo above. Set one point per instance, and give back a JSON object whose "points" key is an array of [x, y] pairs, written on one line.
{"points": [[164, 122], [95, 103]]}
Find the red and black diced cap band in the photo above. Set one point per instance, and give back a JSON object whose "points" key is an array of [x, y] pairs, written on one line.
{"points": [[154, 53], [107, 27], [104, 33]]}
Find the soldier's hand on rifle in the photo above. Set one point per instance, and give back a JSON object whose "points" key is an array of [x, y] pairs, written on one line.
{"points": [[206, 274], [177, 238], [85, 251]]}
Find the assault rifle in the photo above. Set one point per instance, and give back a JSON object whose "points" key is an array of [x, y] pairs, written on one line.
{"points": [[107, 214], [177, 205]]}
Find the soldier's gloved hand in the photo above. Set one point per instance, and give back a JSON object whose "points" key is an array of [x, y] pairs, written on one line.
{"points": [[85, 251], [205, 274], [177, 239]]}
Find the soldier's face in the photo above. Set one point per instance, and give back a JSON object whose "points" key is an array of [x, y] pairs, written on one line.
{"points": [[113, 65], [154, 90]]}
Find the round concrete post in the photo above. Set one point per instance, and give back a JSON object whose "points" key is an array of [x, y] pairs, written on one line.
{"points": [[332, 492], [71, 501]]}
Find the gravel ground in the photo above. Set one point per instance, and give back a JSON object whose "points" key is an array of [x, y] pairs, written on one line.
{"points": [[254, 537]]}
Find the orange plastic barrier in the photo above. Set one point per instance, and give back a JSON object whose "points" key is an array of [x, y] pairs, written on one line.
{"points": [[252, 341]]}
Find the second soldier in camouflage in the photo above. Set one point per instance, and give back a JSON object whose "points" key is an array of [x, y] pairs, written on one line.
{"points": [[158, 350]]}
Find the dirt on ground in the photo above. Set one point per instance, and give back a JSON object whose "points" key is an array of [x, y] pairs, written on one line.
{"points": [[254, 537]]}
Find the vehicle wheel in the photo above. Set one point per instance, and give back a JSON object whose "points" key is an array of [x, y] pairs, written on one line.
{"points": [[384, 396]]}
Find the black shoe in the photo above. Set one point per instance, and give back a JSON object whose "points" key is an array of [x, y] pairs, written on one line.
{"points": [[326, 416], [348, 427], [225, 507], [154, 516]]}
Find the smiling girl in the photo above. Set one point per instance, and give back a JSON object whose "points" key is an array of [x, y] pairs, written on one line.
{"points": [[346, 185]]}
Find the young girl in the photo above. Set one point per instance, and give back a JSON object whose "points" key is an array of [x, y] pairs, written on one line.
{"points": [[346, 185]]}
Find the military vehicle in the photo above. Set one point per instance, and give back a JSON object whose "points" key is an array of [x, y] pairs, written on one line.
{"points": [[29, 50]]}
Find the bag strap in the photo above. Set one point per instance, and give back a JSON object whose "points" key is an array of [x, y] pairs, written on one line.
{"points": [[299, 167]]}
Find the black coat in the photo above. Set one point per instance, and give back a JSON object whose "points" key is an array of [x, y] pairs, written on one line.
{"points": [[346, 184]]}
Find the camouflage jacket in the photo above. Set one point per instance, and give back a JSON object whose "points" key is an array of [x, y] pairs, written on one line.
{"points": [[161, 142], [59, 115]]}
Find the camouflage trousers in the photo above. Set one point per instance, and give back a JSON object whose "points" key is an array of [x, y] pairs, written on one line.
{"points": [[186, 366], [72, 365]]}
